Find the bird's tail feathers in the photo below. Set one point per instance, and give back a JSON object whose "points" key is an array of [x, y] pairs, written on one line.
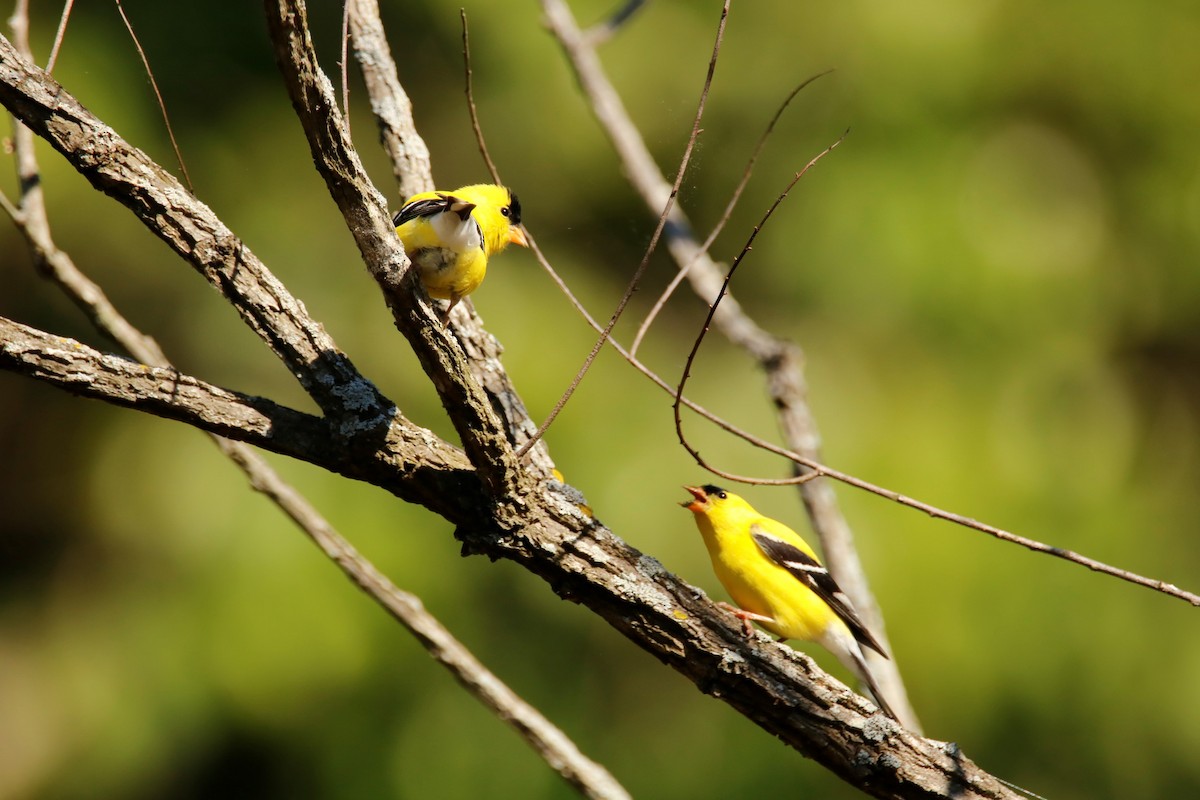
{"points": [[843, 645]]}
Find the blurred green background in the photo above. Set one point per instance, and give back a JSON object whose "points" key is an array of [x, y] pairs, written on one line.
{"points": [[996, 280]]}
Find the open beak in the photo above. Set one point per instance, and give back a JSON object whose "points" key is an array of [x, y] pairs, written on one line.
{"points": [[700, 503], [516, 235]]}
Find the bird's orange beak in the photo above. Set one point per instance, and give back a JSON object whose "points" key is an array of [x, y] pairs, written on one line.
{"points": [[516, 235], [700, 504]]}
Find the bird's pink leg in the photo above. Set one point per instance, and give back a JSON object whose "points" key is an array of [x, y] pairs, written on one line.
{"points": [[446, 314], [745, 616]]}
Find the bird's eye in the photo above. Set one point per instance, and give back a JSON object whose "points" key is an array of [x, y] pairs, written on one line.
{"points": [[722, 495], [505, 211]]}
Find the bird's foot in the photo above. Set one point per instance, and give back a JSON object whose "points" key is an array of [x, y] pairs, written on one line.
{"points": [[745, 616]]}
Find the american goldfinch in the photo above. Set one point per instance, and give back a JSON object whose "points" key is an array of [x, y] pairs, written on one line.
{"points": [[449, 236], [776, 579]]}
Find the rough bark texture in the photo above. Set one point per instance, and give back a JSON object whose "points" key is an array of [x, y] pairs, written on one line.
{"points": [[501, 509]]}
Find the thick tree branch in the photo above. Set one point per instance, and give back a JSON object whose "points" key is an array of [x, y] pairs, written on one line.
{"points": [[193, 231], [162, 391], [422, 468], [404, 147], [367, 218]]}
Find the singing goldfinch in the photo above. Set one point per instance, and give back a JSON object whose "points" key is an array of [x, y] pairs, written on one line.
{"points": [[777, 581], [449, 236]]}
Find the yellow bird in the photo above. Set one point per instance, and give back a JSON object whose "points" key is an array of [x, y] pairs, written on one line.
{"points": [[776, 579], [449, 236]]}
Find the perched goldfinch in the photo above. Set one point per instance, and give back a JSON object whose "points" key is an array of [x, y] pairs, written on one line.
{"points": [[449, 236], [776, 579]]}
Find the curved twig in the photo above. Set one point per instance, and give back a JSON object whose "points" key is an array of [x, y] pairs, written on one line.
{"points": [[721, 294], [725, 215], [471, 108], [162, 106], [663, 216]]}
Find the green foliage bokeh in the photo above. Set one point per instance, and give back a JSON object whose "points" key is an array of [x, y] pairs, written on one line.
{"points": [[996, 283]]}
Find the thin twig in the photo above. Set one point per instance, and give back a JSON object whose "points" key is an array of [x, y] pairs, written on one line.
{"points": [[59, 34], [712, 309], [471, 109], [555, 747], [162, 106], [725, 215], [650, 248], [344, 65]]}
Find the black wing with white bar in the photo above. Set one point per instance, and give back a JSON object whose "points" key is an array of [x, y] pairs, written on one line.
{"points": [[432, 207], [809, 571]]}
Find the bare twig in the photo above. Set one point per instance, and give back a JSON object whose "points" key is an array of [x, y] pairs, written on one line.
{"points": [[471, 109], [550, 743], [59, 34], [663, 217], [162, 106], [712, 311], [725, 215], [344, 65]]}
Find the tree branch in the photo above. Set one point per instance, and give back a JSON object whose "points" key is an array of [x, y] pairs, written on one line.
{"points": [[367, 218], [422, 468], [404, 146], [192, 230], [389, 102], [162, 391]]}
